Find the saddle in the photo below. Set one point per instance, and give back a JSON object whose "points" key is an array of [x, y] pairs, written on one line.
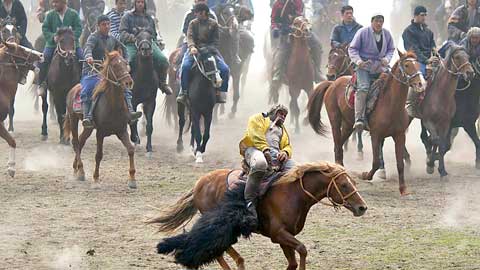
{"points": [[372, 97], [77, 102], [239, 176]]}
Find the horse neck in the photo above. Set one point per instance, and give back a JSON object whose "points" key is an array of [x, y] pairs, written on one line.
{"points": [[316, 184], [394, 94], [114, 96], [300, 60], [444, 84]]}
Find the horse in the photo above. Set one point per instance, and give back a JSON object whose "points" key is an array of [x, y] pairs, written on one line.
{"points": [[339, 64], [145, 87], [12, 58], [467, 100], [438, 106], [63, 74], [300, 71], [390, 105], [110, 115], [170, 104], [302, 187], [230, 31]]}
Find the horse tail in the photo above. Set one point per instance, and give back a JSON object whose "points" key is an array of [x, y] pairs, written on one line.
{"points": [[213, 233], [67, 129], [315, 102], [180, 214]]}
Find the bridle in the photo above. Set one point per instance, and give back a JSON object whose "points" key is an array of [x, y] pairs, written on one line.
{"points": [[334, 184], [116, 79], [62, 52], [346, 64], [302, 29], [406, 77], [458, 69], [12, 37]]}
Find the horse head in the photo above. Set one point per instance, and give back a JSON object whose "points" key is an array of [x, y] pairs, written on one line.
{"points": [[66, 45], [458, 62], [143, 42], [226, 17], [338, 62], [409, 71], [8, 30], [116, 70], [301, 28]]}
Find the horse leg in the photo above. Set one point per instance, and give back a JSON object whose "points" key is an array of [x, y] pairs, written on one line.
{"points": [[223, 263], [60, 107], [131, 152], [382, 174], [338, 141], [44, 119], [442, 149], [149, 109], [359, 145], [13, 145], [290, 243], [98, 157], [236, 93], [290, 255], [196, 133], [10, 115], [472, 133], [376, 142], [428, 149], [346, 132], [181, 125], [237, 258], [207, 120], [399, 151], [294, 94], [81, 143]]}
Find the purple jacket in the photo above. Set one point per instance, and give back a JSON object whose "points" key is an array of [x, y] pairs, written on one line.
{"points": [[363, 47]]}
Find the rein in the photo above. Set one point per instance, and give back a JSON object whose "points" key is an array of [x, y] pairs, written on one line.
{"points": [[408, 77], [346, 64], [332, 183], [116, 80], [61, 52]]}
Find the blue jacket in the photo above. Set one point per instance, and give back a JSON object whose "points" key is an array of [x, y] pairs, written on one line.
{"points": [[344, 33]]}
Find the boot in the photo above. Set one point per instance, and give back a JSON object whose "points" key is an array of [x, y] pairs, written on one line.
{"points": [[360, 107], [87, 114], [251, 192], [411, 104], [162, 84], [182, 97], [134, 116], [221, 97], [22, 76]]}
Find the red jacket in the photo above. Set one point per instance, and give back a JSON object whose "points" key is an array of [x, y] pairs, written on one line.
{"points": [[294, 8]]}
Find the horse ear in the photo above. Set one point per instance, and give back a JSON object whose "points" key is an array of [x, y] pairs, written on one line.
{"points": [[400, 53], [345, 46]]}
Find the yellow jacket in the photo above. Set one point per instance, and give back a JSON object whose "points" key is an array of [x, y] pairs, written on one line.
{"points": [[255, 135]]}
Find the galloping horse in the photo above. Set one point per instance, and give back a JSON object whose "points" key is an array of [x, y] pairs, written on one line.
{"points": [[438, 106], [63, 74], [146, 86], [390, 105], [300, 70], [229, 32], [339, 64], [303, 187], [110, 115], [12, 58]]}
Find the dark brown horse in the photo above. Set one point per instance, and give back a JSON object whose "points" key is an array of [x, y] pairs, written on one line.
{"points": [[303, 187], [12, 58], [438, 106], [300, 70], [110, 115], [63, 74], [390, 105]]}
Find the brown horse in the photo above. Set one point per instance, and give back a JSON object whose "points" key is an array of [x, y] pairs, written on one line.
{"points": [[110, 115], [12, 59], [300, 70], [302, 187], [438, 107], [390, 105]]}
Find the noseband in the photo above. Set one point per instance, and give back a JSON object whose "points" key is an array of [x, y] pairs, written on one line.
{"points": [[334, 184], [302, 30], [346, 64], [406, 77]]}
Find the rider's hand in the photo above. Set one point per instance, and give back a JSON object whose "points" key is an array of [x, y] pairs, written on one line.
{"points": [[384, 62], [434, 60], [55, 39], [89, 60], [363, 64], [193, 51], [268, 157], [282, 156], [276, 33]]}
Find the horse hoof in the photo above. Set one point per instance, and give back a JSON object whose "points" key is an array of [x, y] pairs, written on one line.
{"points": [[403, 192], [132, 184], [11, 172], [382, 174], [96, 185], [81, 178], [149, 155], [180, 148], [199, 158], [430, 170], [364, 176], [444, 178], [44, 137], [359, 156]]}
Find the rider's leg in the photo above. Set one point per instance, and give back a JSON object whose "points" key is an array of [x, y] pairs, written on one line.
{"points": [[88, 83], [316, 53], [225, 75], [184, 48], [185, 77], [42, 76], [412, 97], [161, 65], [128, 99], [258, 168], [363, 86], [279, 61]]}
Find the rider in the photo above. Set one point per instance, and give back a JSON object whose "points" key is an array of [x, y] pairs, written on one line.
{"points": [[115, 15], [129, 25], [202, 34], [419, 38], [343, 33], [462, 19], [283, 14], [99, 43], [91, 9], [14, 9], [371, 50], [265, 144], [60, 16]]}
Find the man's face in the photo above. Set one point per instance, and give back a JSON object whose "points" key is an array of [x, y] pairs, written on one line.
{"points": [[420, 18], [280, 116], [202, 15], [377, 24], [348, 16], [121, 5], [140, 5], [472, 3], [58, 5], [104, 27], [475, 40]]}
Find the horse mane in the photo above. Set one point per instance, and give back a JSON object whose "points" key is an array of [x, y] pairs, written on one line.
{"points": [[64, 30], [452, 49], [326, 168], [381, 82], [105, 86]]}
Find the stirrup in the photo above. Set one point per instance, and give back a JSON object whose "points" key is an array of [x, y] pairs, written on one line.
{"points": [[87, 123]]}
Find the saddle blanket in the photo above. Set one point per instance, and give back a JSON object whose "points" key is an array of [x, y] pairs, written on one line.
{"points": [[372, 96], [235, 177], [77, 102]]}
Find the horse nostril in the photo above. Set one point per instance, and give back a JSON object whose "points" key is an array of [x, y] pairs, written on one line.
{"points": [[362, 209]]}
